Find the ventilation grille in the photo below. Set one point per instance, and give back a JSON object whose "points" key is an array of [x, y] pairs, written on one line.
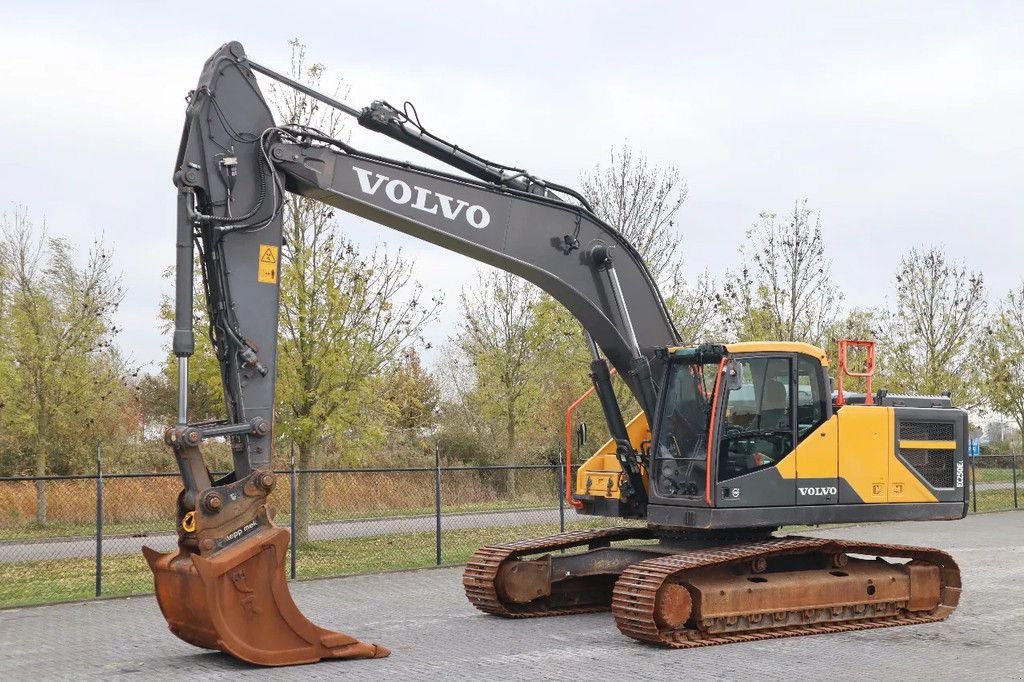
{"points": [[926, 431], [935, 466]]}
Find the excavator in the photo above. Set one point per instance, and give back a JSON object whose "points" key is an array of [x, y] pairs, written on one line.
{"points": [[732, 441]]}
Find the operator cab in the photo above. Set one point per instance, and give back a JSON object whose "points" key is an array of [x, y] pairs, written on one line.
{"points": [[748, 434], [772, 396]]}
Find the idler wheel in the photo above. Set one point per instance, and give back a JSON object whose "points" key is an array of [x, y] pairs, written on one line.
{"points": [[672, 606]]}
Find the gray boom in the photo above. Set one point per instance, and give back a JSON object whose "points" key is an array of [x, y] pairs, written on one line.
{"points": [[233, 167]]}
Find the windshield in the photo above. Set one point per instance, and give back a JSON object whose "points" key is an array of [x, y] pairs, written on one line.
{"points": [[680, 453]]}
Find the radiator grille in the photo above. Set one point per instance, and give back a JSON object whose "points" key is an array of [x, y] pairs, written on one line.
{"points": [[936, 466], [926, 431]]}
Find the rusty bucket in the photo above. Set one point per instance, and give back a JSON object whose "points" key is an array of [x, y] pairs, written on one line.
{"points": [[224, 588]]}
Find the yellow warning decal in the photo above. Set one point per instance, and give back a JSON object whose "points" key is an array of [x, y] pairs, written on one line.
{"points": [[268, 264]]}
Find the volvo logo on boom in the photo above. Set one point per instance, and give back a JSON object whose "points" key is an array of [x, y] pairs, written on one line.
{"points": [[401, 193]]}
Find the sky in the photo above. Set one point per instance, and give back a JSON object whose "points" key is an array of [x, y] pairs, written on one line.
{"points": [[900, 122]]}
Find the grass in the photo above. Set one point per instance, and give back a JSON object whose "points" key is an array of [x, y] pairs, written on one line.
{"points": [[995, 500], [54, 580], [996, 475]]}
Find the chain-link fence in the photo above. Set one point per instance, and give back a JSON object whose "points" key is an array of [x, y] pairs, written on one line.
{"points": [[996, 483], [74, 537]]}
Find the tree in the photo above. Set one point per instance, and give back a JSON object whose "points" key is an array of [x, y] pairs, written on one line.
{"points": [[411, 398], [497, 337], [66, 385], [784, 292], [932, 336], [642, 201], [345, 317], [1003, 360]]}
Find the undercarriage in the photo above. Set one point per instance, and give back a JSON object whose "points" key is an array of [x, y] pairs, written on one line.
{"points": [[700, 589]]}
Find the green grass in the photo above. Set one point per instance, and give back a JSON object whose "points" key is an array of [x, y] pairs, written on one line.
{"points": [[995, 500], [53, 580], [996, 475], [413, 550]]}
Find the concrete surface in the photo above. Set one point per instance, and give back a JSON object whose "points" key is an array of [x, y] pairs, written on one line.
{"points": [[435, 634]]}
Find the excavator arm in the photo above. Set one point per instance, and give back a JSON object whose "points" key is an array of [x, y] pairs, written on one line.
{"points": [[225, 588]]}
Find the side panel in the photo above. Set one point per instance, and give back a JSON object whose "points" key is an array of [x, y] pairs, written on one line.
{"points": [[929, 448], [865, 450], [817, 465]]}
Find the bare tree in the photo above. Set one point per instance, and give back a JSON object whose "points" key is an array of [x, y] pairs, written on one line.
{"points": [[642, 201], [932, 334], [784, 291]]}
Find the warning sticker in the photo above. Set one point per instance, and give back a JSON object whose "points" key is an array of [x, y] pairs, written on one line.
{"points": [[268, 264]]}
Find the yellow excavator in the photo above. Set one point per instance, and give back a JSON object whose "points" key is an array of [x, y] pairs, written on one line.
{"points": [[747, 438], [732, 442]]}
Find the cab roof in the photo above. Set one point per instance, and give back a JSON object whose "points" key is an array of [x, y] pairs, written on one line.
{"points": [[772, 347], [779, 347]]}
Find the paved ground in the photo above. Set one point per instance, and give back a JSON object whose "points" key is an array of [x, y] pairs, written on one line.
{"points": [[435, 634], [70, 548]]}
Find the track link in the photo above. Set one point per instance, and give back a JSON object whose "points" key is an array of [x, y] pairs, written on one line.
{"points": [[635, 592], [479, 578]]}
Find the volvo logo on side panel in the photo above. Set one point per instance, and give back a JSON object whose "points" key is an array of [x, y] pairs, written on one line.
{"points": [[819, 492], [401, 193]]}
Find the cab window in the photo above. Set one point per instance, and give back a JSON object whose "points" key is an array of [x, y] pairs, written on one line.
{"points": [[757, 423], [811, 410]]}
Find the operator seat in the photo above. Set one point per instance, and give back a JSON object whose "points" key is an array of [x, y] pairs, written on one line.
{"points": [[774, 407]]}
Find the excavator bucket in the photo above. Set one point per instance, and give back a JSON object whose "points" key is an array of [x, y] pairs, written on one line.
{"points": [[225, 588]]}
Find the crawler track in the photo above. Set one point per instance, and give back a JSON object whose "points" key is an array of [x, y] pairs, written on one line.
{"points": [[635, 594], [480, 576], [633, 601]]}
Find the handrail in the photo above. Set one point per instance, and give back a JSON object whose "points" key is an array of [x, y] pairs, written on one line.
{"points": [[844, 370]]}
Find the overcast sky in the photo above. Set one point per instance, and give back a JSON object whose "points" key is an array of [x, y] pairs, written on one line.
{"points": [[899, 122]]}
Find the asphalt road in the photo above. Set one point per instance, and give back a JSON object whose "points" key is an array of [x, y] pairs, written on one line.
{"points": [[435, 634]]}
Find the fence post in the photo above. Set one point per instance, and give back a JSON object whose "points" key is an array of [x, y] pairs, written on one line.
{"points": [[974, 484], [561, 494], [437, 501], [1013, 465], [99, 520], [295, 543]]}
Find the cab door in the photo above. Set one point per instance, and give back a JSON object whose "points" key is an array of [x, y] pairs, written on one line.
{"points": [[817, 451], [757, 434]]}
